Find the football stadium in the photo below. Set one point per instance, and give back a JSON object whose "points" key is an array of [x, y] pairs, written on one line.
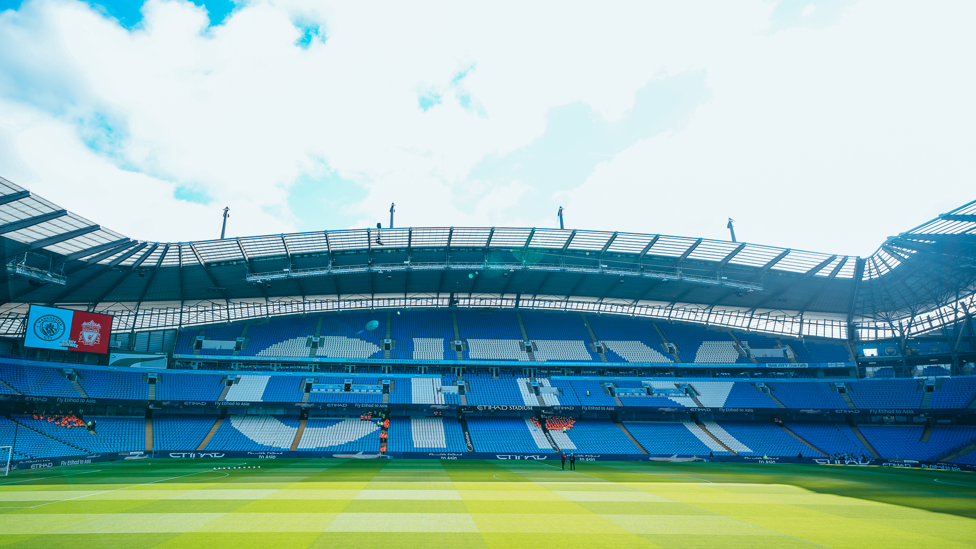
{"points": [[483, 387]]}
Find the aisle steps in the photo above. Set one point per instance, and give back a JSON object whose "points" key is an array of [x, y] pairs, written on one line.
{"points": [[298, 435], [631, 437], [213, 430]]}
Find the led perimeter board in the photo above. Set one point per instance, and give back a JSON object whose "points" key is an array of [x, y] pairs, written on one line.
{"points": [[67, 330]]}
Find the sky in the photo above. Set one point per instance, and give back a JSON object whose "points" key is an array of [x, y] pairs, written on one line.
{"points": [[824, 126]]}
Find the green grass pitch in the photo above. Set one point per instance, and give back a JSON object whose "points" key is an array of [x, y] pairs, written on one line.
{"points": [[486, 504]]}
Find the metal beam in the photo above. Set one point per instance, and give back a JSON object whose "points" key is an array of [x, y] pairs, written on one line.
{"points": [[13, 197], [122, 278], [769, 265], [291, 264], [576, 286], [447, 260], [726, 259], [210, 274], [830, 278], [129, 253], [958, 217], [607, 245], [115, 245], [797, 281], [31, 221], [858, 275], [62, 237], [159, 262], [569, 240], [647, 248], [687, 252]]}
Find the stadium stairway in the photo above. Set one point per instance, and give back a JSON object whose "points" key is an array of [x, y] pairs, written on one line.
{"points": [[213, 430], [776, 400], [223, 392], [79, 388], [660, 333], [298, 434], [464, 427], [593, 338], [847, 399], [716, 439], [149, 434], [864, 442], [525, 334], [957, 453], [927, 433], [9, 388], [798, 437], [631, 437]]}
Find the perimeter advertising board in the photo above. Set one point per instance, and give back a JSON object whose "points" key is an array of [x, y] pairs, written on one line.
{"points": [[67, 330]]}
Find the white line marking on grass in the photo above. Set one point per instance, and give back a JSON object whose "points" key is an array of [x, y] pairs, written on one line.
{"points": [[205, 479], [954, 484], [42, 478], [117, 489], [698, 508]]}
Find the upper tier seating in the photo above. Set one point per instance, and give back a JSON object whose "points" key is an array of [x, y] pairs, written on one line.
{"points": [[889, 393], [248, 389], [284, 389], [696, 344], [482, 389], [106, 384], [180, 432], [957, 392], [807, 395], [37, 380], [422, 335], [558, 336], [491, 336], [189, 386], [629, 339]]}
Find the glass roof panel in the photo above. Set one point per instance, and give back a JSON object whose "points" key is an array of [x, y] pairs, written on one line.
{"points": [[429, 237], [390, 238], [630, 243], [590, 240], [671, 246], [505, 237], [800, 262], [263, 246], [352, 239], [215, 251], [550, 239], [470, 237], [307, 243], [755, 255], [713, 250]]}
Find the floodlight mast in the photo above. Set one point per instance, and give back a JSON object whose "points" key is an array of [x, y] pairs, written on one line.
{"points": [[731, 229], [392, 209], [560, 214], [223, 228]]}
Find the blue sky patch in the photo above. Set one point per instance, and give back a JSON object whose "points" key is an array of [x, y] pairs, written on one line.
{"points": [[321, 201], [129, 12], [310, 32], [192, 194], [577, 139], [428, 100]]}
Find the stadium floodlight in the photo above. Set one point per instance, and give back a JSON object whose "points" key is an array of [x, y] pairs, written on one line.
{"points": [[560, 214], [731, 228], [223, 228], [392, 209]]}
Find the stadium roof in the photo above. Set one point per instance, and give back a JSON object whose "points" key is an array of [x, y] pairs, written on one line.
{"points": [[921, 271]]}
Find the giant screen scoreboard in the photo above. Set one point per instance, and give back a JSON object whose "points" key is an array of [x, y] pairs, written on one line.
{"points": [[67, 330]]}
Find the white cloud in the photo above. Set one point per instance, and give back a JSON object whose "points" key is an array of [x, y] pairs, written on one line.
{"points": [[824, 127]]}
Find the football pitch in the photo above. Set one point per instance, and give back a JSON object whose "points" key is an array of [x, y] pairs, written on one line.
{"points": [[428, 504]]}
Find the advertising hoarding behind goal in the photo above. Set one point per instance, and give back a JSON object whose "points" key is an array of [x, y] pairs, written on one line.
{"points": [[67, 330]]}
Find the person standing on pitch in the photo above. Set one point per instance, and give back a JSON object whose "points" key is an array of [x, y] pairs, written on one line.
{"points": [[564, 460], [572, 462]]}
